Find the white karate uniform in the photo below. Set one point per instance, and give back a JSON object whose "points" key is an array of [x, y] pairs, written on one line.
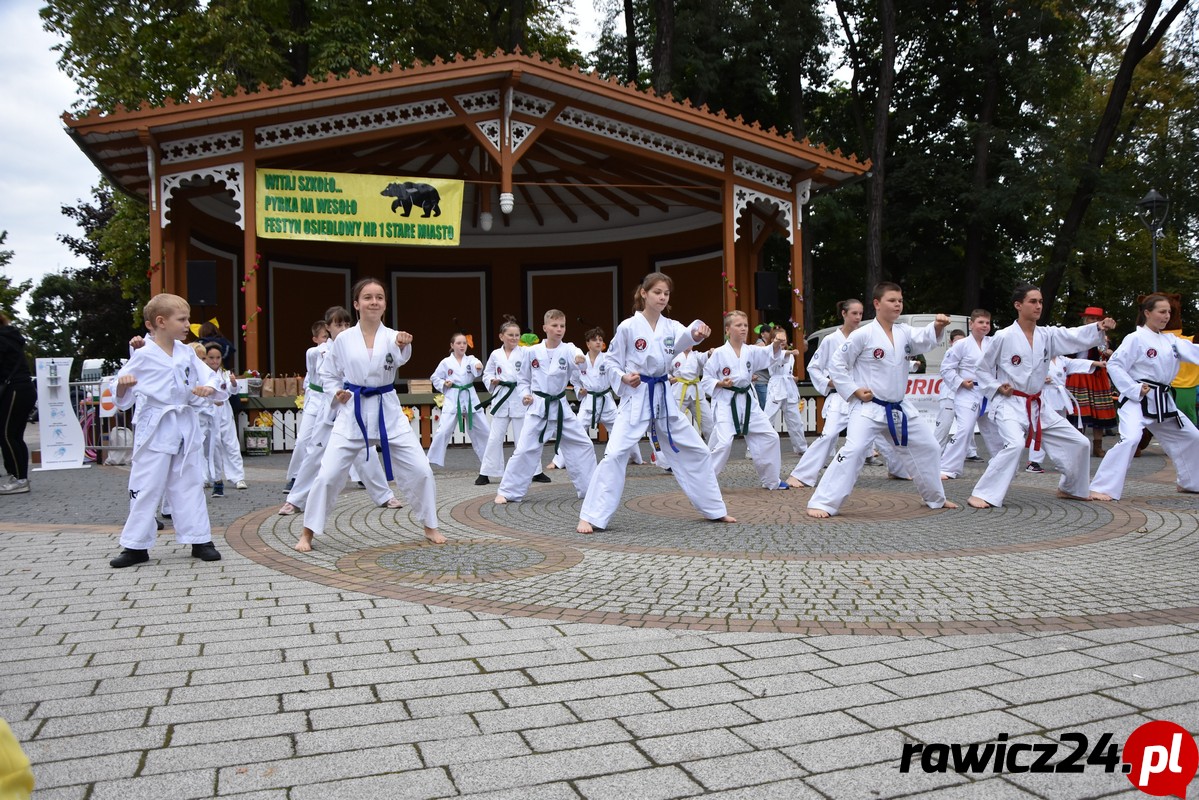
{"points": [[167, 444], [349, 362], [836, 418], [871, 359], [547, 371], [782, 394], [1146, 358], [1011, 360], [303, 442], [960, 364], [459, 407], [319, 414], [506, 408], [692, 390], [649, 351], [223, 448], [761, 439], [1056, 399], [597, 404]]}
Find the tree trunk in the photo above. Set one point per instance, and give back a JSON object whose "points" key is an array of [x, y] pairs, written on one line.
{"points": [[1141, 42], [878, 148], [632, 71], [298, 57], [663, 56], [516, 25], [976, 225]]}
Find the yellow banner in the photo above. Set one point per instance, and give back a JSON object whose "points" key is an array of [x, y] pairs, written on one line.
{"points": [[373, 209]]}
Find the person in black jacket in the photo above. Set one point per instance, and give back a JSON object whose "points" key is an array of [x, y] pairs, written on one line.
{"points": [[17, 398]]}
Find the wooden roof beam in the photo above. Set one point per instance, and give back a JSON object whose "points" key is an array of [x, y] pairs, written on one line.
{"points": [[528, 196]]}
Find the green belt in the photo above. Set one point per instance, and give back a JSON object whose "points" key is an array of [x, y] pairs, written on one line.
{"points": [[316, 387], [596, 413], [469, 422], [510, 386], [549, 398], [741, 427]]}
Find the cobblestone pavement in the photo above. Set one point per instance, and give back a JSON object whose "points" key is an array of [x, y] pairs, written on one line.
{"points": [[666, 657]]}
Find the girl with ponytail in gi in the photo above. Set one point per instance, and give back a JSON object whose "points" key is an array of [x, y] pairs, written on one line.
{"points": [[1142, 369], [501, 376], [640, 356], [455, 377], [364, 360]]}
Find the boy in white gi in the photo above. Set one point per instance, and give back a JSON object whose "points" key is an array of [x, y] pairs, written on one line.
{"points": [[639, 356], [456, 376], [782, 395], [1142, 369], [959, 373], [597, 400], [1012, 375], [164, 378], [320, 335], [505, 406], [731, 367], [363, 360], [224, 451], [548, 366], [691, 390], [317, 425], [870, 371]]}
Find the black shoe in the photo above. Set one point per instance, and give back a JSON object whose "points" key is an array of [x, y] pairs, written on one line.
{"points": [[290, 484], [128, 558], [481, 480], [974, 458], [218, 489], [206, 552], [160, 523], [166, 516], [541, 477], [361, 485]]}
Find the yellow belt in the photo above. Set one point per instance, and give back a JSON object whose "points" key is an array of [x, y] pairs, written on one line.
{"points": [[698, 411]]}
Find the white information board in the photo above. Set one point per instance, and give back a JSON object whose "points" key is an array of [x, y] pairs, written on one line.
{"points": [[58, 424]]}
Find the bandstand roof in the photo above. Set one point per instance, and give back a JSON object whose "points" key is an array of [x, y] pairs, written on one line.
{"points": [[585, 155]]}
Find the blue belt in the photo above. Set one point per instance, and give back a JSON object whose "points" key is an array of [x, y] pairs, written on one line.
{"points": [[652, 381], [899, 438], [360, 392]]}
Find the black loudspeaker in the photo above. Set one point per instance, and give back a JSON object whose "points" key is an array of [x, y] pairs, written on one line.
{"points": [[766, 291], [201, 283]]}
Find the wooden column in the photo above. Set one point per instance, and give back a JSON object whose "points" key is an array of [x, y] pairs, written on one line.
{"points": [[254, 294], [728, 264]]}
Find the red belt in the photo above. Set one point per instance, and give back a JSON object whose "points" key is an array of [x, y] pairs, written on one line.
{"points": [[1033, 439]]}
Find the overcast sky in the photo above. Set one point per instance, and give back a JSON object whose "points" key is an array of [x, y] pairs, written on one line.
{"points": [[41, 169]]}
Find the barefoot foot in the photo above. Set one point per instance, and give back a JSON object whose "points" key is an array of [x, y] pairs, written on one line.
{"points": [[1065, 496], [1100, 496], [584, 527], [796, 483], [950, 504], [305, 543], [434, 536], [978, 502], [393, 503], [725, 518], [500, 500], [818, 513]]}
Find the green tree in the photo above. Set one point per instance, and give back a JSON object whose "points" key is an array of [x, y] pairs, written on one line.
{"points": [[9, 293]]}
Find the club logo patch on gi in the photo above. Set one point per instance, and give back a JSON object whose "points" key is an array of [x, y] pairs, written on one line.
{"points": [[499, 370], [726, 372], [747, 366], [1016, 361], [562, 362], [907, 349], [878, 352], [668, 344], [389, 363], [603, 368], [1151, 352], [640, 344], [518, 364], [536, 363], [677, 364]]}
